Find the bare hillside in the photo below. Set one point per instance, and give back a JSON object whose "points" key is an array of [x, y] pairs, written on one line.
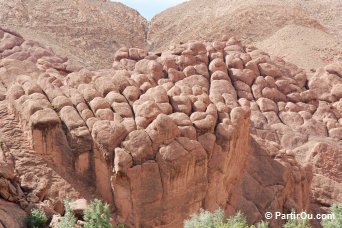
{"points": [[306, 47], [258, 23], [89, 31], [85, 30]]}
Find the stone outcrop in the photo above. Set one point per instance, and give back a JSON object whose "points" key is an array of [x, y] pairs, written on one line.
{"points": [[201, 125], [10, 190], [11, 215]]}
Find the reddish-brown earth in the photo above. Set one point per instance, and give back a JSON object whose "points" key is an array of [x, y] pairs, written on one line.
{"points": [[160, 135]]}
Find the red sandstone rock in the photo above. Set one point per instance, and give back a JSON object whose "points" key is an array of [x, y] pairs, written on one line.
{"points": [[169, 129], [11, 215]]}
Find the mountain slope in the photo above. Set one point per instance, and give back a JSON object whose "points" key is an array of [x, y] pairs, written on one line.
{"points": [[89, 31], [84, 30], [312, 49], [252, 21]]}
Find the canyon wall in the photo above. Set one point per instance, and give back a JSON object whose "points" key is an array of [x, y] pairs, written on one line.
{"points": [[161, 135]]}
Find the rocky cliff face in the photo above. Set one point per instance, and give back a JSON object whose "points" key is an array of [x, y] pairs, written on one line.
{"points": [[11, 215], [160, 135]]}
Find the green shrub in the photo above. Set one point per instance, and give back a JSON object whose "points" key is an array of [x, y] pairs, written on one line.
{"points": [[237, 221], [337, 221], [97, 215], [297, 223], [262, 224], [68, 220], [205, 219], [36, 219]]}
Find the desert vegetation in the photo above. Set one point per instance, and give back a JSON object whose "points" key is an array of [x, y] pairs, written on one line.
{"points": [[36, 219], [336, 209], [69, 219], [206, 219], [216, 219], [97, 215]]}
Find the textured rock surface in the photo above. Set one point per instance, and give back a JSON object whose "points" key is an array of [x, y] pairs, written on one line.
{"points": [[90, 31], [87, 31], [269, 25], [11, 215], [159, 136]]}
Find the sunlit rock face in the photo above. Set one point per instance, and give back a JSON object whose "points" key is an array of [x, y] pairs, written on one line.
{"points": [[161, 135]]}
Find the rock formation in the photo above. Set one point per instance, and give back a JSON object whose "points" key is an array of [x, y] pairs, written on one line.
{"points": [[11, 194], [161, 135], [11, 215], [87, 31], [306, 33]]}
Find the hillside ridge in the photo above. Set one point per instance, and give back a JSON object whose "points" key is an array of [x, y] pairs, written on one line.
{"points": [[77, 27]]}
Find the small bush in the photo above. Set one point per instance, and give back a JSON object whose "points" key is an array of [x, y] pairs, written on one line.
{"points": [[36, 219], [337, 221], [297, 223], [262, 224], [205, 219], [237, 221], [68, 220], [97, 215]]}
